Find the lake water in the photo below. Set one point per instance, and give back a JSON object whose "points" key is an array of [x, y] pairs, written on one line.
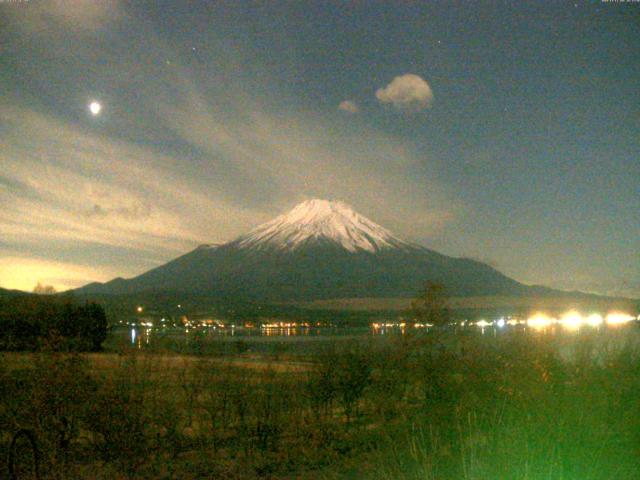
{"points": [[566, 337]]}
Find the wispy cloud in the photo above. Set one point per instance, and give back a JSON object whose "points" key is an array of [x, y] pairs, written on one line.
{"points": [[74, 186], [72, 16]]}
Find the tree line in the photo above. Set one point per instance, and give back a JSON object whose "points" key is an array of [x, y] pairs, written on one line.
{"points": [[34, 322]]}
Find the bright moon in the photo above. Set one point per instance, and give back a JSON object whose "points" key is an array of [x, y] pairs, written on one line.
{"points": [[94, 108]]}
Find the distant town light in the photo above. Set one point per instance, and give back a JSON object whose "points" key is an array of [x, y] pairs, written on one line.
{"points": [[571, 320], [539, 321], [594, 319], [139, 309], [616, 318]]}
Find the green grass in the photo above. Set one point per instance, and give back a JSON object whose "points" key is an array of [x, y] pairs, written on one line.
{"points": [[417, 407]]}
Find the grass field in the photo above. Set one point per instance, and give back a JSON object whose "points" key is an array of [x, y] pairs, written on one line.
{"points": [[424, 406]]}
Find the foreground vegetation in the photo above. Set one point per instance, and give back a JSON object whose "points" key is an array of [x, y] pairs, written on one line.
{"points": [[420, 406]]}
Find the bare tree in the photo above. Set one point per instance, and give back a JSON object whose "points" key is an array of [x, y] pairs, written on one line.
{"points": [[41, 289], [432, 305]]}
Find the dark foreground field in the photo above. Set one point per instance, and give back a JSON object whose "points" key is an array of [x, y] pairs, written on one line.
{"points": [[412, 407]]}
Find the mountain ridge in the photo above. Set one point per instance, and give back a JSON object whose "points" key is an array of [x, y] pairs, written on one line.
{"points": [[318, 250]]}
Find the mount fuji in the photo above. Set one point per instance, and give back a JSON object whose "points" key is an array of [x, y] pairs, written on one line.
{"points": [[319, 250]]}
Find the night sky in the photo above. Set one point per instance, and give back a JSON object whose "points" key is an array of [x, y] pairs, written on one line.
{"points": [[502, 131]]}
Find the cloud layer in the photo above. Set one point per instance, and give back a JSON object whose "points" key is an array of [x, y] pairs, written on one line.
{"points": [[407, 92]]}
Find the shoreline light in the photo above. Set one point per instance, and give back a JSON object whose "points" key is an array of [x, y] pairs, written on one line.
{"points": [[539, 321], [618, 318], [571, 320], [594, 320]]}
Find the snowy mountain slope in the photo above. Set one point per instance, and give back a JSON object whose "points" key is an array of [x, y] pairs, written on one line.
{"points": [[315, 220]]}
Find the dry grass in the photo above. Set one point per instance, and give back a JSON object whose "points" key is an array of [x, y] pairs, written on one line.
{"points": [[410, 407]]}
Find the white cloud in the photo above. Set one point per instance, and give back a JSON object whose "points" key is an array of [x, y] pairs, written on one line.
{"points": [[406, 92], [348, 106]]}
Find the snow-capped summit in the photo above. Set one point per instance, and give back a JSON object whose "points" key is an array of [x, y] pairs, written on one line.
{"points": [[321, 220]]}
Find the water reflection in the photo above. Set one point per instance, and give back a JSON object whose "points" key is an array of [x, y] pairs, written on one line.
{"points": [[136, 339], [140, 335]]}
